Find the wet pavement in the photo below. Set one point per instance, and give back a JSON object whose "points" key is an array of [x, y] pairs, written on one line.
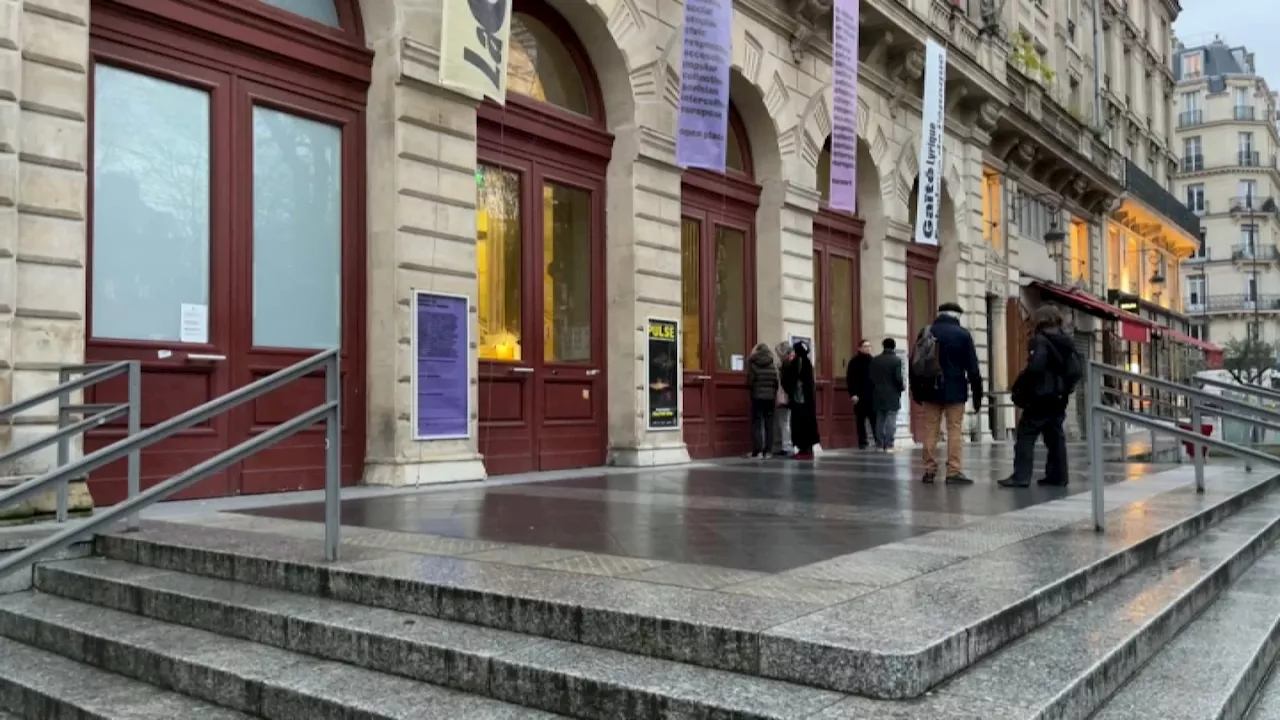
{"points": [[768, 516]]}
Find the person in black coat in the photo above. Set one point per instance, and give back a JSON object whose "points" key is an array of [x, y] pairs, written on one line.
{"points": [[887, 386], [858, 381], [797, 382], [1041, 392], [943, 398]]}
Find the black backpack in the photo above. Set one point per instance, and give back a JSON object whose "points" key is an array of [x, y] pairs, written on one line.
{"points": [[925, 365], [1068, 371]]}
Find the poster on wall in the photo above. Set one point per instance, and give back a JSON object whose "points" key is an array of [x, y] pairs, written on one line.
{"points": [[843, 192], [929, 193], [703, 116], [662, 360], [441, 351], [474, 47], [808, 342]]}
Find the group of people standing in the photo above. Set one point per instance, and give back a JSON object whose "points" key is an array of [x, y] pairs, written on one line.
{"points": [[875, 386], [784, 417]]}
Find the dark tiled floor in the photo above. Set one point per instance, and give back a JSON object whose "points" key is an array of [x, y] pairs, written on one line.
{"points": [[767, 517]]}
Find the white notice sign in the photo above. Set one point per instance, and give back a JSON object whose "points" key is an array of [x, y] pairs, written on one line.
{"points": [[194, 324]]}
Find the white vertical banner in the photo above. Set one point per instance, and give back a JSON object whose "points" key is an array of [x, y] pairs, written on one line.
{"points": [[932, 130]]}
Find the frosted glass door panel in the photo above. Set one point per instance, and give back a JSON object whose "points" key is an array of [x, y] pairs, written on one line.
{"points": [[150, 208], [297, 231]]}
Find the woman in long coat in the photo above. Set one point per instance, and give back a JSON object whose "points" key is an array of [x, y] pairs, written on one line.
{"points": [[797, 380]]}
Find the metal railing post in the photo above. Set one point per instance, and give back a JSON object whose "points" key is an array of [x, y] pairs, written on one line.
{"points": [[1198, 450], [1095, 442], [135, 425], [332, 458], [64, 450]]}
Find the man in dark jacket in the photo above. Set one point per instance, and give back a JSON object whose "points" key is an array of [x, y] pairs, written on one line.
{"points": [[1042, 391], [763, 383], [944, 397], [887, 387], [858, 381]]}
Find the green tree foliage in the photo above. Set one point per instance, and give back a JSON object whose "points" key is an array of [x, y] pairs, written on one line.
{"points": [[1249, 360]]}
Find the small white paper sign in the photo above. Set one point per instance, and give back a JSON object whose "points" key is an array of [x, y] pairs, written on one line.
{"points": [[737, 361], [194, 327]]}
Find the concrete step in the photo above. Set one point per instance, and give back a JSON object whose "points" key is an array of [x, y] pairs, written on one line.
{"points": [[1069, 667], [565, 678], [37, 685], [1214, 667], [248, 677], [894, 643], [1266, 704]]}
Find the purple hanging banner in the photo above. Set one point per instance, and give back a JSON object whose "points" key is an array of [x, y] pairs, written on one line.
{"points": [[843, 193], [703, 125]]}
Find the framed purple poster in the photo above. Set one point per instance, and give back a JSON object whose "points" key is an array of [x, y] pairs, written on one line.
{"points": [[441, 352]]}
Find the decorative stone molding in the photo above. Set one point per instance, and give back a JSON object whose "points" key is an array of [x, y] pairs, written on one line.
{"points": [[809, 16], [988, 116], [909, 72]]}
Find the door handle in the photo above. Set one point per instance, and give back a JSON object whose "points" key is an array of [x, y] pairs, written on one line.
{"points": [[703, 377], [206, 357], [522, 370], [592, 373]]}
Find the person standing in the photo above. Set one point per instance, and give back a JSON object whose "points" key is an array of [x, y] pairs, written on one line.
{"points": [[763, 383], [887, 386], [944, 370], [1041, 392], [782, 413], [858, 381], [797, 383]]}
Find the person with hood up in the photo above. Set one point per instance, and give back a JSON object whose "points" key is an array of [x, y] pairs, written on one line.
{"points": [[797, 382], [763, 383], [1042, 391]]}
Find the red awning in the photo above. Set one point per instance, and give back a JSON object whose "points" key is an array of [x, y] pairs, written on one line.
{"points": [[1132, 327], [1133, 332], [1214, 356]]}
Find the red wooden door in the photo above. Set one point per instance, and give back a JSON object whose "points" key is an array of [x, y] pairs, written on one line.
{"points": [[543, 396], [922, 304], [226, 234], [838, 322]]}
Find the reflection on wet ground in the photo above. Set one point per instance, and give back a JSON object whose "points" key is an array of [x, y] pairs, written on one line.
{"points": [[767, 516]]}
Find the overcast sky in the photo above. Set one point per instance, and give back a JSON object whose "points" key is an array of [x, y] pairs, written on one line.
{"points": [[1252, 23]]}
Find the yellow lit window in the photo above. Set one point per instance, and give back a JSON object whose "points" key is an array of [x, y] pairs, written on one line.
{"points": [[1079, 250], [498, 263], [991, 229]]}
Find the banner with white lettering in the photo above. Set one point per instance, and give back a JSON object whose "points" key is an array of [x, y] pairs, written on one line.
{"points": [[474, 38], [843, 193], [929, 195], [703, 124]]}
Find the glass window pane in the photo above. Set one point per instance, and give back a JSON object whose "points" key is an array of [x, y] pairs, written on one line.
{"points": [[151, 207], [322, 11], [818, 317], [734, 159], [690, 292], [842, 290], [541, 67], [297, 231], [499, 242], [824, 172], [566, 286], [921, 299], [731, 296]]}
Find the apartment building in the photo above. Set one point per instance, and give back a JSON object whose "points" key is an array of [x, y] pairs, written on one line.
{"points": [[1228, 176]]}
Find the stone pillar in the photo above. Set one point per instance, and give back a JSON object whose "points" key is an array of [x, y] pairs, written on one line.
{"points": [[889, 265], [784, 263], [643, 279], [44, 93], [421, 236], [1000, 379]]}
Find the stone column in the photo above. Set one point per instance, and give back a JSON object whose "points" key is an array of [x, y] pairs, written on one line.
{"points": [[784, 263], [1000, 373], [888, 266], [421, 236], [10, 93]]}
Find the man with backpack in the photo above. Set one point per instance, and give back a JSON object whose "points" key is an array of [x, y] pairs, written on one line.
{"points": [[1041, 391], [944, 370]]}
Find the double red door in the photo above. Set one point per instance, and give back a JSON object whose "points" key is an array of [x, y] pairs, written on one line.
{"points": [[838, 321], [226, 243], [922, 304]]}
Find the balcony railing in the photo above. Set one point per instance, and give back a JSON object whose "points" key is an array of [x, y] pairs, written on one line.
{"points": [[1246, 112], [1261, 205], [1248, 158], [1255, 251], [1146, 189], [1192, 163], [1240, 301], [1190, 118], [1199, 208]]}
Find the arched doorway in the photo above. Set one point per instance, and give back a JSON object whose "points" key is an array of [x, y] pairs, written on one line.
{"points": [[540, 252], [226, 233], [837, 240], [718, 299]]}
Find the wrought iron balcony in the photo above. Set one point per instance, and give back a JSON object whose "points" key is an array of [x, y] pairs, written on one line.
{"points": [[1260, 205], [1255, 252], [1248, 158], [1144, 188], [1190, 118], [1246, 112], [1192, 163], [1239, 301]]}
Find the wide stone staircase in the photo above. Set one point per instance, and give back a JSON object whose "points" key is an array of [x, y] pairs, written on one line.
{"points": [[1173, 613]]}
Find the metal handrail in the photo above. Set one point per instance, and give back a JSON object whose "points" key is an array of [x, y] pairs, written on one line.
{"points": [[103, 413], [1254, 390], [1201, 402], [330, 411]]}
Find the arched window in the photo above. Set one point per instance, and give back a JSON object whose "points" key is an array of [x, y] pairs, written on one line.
{"points": [[737, 156], [324, 12], [543, 68]]}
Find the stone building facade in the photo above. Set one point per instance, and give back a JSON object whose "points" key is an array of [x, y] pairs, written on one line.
{"points": [[420, 163]]}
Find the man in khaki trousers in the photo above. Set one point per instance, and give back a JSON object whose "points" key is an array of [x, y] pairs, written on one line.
{"points": [[942, 398]]}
